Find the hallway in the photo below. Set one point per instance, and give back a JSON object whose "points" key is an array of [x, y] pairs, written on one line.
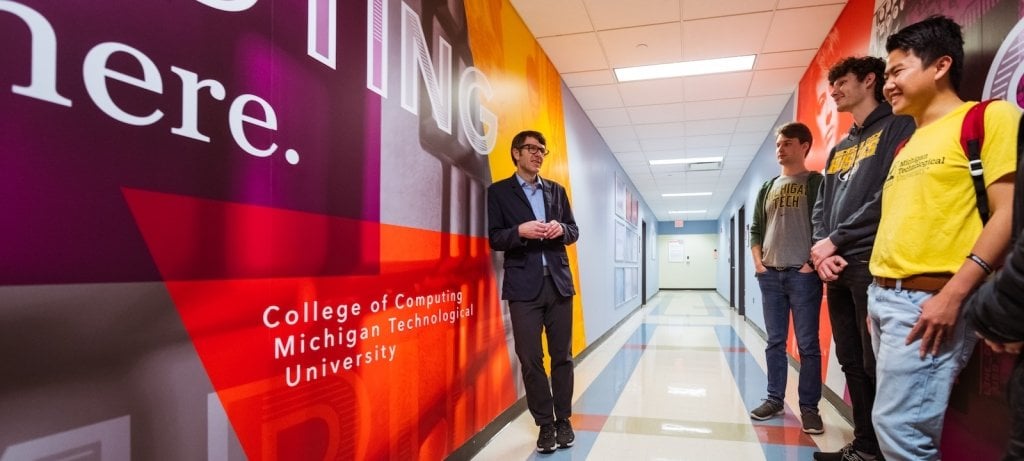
{"points": [[675, 382]]}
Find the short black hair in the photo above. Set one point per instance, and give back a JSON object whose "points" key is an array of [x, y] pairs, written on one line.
{"points": [[798, 131], [930, 40], [520, 138], [861, 67]]}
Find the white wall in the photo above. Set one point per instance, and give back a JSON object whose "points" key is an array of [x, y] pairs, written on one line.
{"points": [[698, 267], [592, 171]]}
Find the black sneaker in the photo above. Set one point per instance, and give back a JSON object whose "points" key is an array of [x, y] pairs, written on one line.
{"points": [[564, 434], [846, 453], [834, 455], [546, 439], [812, 421], [769, 409]]}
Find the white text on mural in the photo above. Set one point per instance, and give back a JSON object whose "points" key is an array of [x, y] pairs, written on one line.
{"points": [[317, 339]]}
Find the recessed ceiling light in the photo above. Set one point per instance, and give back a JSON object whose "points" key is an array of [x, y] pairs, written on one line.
{"points": [[687, 194], [676, 161], [687, 211], [685, 68]]}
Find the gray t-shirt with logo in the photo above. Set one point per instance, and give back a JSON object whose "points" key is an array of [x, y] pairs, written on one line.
{"points": [[787, 237]]}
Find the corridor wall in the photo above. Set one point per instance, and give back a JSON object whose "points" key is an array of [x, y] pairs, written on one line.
{"points": [[255, 229]]}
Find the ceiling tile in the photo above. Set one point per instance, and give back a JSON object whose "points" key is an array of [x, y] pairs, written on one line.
{"points": [[637, 46], [717, 37], [662, 144], [751, 138], [748, 151], [574, 53], [801, 28], [617, 133], [597, 97], [798, 58], [635, 156], [647, 92], [775, 81], [722, 108], [623, 145], [660, 130], [713, 126], [608, 117], [717, 86], [616, 14], [695, 9], [715, 140], [763, 123], [544, 17], [765, 105], [593, 77], [657, 113]]}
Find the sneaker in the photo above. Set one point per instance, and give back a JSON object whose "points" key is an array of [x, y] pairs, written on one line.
{"points": [[769, 409], [564, 434], [546, 439], [812, 421], [834, 455], [846, 453]]}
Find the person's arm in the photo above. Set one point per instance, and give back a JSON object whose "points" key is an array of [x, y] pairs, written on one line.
{"points": [[502, 234], [757, 229], [940, 312], [566, 228], [997, 308], [818, 215]]}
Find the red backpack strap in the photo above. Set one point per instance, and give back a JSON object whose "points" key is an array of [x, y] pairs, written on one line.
{"points": [[972, 136]]}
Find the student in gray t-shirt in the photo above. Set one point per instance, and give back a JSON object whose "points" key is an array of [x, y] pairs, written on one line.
{"points": [[780, 244]]}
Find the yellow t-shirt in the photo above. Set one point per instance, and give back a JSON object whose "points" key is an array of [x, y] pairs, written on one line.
{"points": [[930, 217]]}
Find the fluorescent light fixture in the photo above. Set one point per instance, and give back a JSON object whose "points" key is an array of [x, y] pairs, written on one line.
{"points": [[677, 161], [685, 68], [687, 194], [687, 211]]}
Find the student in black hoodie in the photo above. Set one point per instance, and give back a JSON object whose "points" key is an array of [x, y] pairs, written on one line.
{"points": [[845, 220]]}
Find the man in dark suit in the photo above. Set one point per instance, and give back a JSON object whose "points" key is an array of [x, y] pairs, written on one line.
{"points": [[530, 219]]}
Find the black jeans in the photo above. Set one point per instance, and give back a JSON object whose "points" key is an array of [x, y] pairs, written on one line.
{"points": [[848, 310], [551, 312]]}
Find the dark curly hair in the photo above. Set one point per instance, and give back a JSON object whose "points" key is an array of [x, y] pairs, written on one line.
{"points": [[860, 67]]}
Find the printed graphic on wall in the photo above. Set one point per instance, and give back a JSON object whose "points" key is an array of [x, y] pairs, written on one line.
{"points": [[269, 221]]}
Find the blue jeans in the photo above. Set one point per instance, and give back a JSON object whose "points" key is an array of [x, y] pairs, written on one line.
{"points": [[786, 291], [912, 393]]}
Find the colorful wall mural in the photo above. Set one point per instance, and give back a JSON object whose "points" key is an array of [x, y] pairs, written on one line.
{"points": [[254, 229]]}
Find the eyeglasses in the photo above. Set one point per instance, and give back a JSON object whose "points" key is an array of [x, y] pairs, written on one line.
{"points": [[534, 149]]}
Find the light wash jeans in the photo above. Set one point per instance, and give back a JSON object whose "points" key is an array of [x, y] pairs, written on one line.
{"points": [[912, 393]]}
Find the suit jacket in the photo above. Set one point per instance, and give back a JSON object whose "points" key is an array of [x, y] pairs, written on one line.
{"points": [[507, 208]]}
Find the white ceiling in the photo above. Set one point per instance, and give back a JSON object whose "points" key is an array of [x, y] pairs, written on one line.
{"points": [[727, 115]]}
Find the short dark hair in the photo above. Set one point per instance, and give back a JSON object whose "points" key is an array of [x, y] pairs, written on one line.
{"points": [[930, 40], [520, 138], [861, 67], [798, 131]]}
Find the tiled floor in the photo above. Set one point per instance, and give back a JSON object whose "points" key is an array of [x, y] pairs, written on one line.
{"points": [[676, 382]]}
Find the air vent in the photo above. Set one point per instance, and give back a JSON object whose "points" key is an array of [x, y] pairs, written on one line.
{"points": [[704, 166]]}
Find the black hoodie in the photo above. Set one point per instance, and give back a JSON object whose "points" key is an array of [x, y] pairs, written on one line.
{"points": [[854, 173]]}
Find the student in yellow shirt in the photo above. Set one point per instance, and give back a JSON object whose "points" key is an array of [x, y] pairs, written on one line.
{"points": [[932, 249]]}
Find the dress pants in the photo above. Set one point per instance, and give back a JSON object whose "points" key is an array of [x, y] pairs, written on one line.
{"points": [[551, 314]]}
